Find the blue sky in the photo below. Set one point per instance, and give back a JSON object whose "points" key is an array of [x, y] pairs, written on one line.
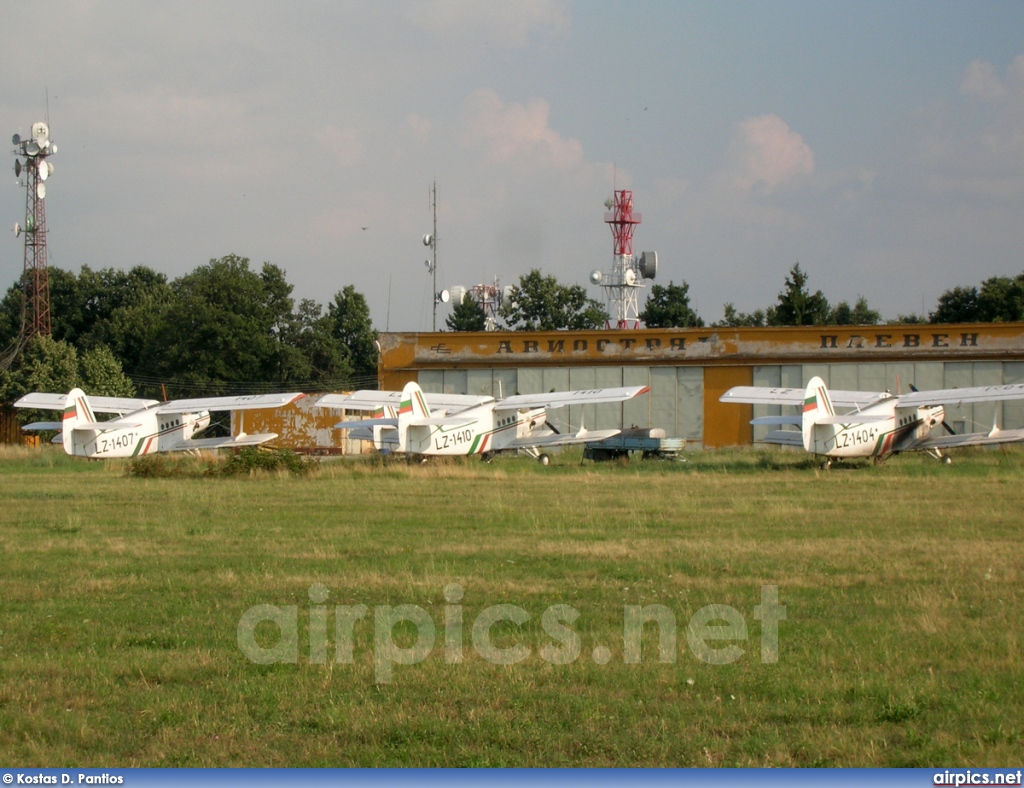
{"points": [[879, 144]]}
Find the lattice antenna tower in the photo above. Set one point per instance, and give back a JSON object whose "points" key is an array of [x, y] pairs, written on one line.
{"points": [[623, 284], [32, 164]]}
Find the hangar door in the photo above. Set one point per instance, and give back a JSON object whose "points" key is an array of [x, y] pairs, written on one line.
{"points": [[726, 424]]}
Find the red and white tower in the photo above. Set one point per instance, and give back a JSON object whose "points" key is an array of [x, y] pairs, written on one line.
{"points": [[623, 284]]}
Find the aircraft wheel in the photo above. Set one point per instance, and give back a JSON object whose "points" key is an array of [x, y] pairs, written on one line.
{"points": [[947, 460], [826, 465], [544, 459], [487, 456]]}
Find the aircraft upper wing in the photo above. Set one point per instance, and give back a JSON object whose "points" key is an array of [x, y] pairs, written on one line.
{"points": [[763, 395], [555, 439], [44, 401], [372, 400], [558, 399], [992, 438], [247, 402], [958, 396]]}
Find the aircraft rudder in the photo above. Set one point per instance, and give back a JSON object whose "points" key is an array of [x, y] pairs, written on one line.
{"points": [[76, 411], [817, 405]]}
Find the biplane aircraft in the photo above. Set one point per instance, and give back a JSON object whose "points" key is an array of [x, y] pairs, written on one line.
{"points": [[142, 426], [873, 424], [418, 423]]}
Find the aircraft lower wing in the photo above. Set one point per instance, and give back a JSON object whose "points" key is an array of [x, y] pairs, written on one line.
{"points": [[784, 438], [226, 443], [993, 438], [43, 426], [362, 424], [555, 439], [122, 405]]}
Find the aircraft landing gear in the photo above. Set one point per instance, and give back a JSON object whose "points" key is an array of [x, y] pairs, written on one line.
{"points": [[544, 459], [487, 456]]}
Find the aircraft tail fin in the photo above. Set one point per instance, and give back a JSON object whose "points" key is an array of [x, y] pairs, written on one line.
{"points": [[77, 411], [413, 407], [817, 406]]}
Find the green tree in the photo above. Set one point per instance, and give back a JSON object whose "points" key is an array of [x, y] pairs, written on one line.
{"points": [[734, 319], [352, 326], [100, 373], [669, 307], [859, 315], [224, 323], [959, 305], [541, 303], [467, 316], [797, 306]]}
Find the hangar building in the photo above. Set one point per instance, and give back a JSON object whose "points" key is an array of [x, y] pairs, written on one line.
{"points": [[689, 369]]}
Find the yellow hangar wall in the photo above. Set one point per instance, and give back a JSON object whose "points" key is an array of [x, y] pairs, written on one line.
{"points": [[689, 369]]}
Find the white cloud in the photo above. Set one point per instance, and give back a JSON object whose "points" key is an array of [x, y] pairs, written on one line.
{"points": [[981, 82], [766, 153], [518, 132]]}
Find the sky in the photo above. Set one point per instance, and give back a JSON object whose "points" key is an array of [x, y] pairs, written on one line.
{"points": [[879, 144]]}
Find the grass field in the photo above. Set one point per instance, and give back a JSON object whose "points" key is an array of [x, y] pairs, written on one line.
{"points": [[120, 603]]}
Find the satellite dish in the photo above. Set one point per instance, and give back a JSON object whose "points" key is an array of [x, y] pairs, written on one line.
{"points": [[506, 295], [44, 171], [445, 296], [630, 276], [32, 149], [458, 294], [53, 149], [17, 229], [648, 264], [40, 132], [49, 168], [17, 166], [15, 139], [41, 190], [427, 264], [596, 276], [428, 239], [30, 225], [609, 203]]}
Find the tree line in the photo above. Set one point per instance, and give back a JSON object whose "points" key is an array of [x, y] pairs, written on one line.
{"points": [[224, 328], [541, 302], [228, 328]]}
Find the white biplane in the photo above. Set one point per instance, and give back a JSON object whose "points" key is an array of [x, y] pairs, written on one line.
{"points": [[414, 422], [873, 424], [142, 426]]}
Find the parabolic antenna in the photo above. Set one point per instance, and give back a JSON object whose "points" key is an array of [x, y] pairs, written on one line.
{"points": [[506, 295], [44, 171], [648, 264], [609, 203], [596, 276], [40, 132], [17, 167], [445, 296], [49, 168], [41, 190], [458, 294], [32, 149], [630, 276], [17, 229], [428, 239], [15, 139]]}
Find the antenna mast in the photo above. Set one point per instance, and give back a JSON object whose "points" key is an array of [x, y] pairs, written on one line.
{"points": [[430, 240], [36, 277]]}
